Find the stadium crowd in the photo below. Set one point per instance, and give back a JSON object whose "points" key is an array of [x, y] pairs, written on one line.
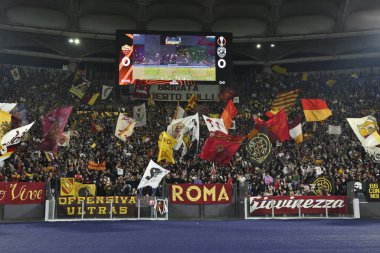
{"points": [[289, 171]]}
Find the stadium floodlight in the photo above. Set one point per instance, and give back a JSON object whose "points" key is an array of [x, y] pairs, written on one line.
{"points": [[71, 40], [77, 41], [272, 45], [258, 45]]}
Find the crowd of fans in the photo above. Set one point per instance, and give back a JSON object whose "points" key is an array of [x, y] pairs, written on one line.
{"points": [[289, 171]]}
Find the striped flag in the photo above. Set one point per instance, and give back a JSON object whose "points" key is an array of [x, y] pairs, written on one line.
{"points": [[315, 109], [285, 100]]}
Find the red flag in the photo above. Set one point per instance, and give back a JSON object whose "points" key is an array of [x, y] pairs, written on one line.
{"points": [[142, 91], [278, 126], [220, 147], [53, 125], [228, 114]]}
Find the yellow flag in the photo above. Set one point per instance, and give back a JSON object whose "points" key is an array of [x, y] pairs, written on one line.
{"points": [[93, 99], [305, 76], [93, 145], [151, 101], [67, 186], [279, 70], [166, 144], [5, 123], [83, 190], [215, 115], [191, 102], [330, 83]]}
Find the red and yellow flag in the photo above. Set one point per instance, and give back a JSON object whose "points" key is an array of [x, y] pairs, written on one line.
{"points": [[315, 109]]}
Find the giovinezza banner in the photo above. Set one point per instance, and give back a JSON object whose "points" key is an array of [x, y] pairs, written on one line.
{"points": [[290, 205], [183, 92], [22, 193], [200, 193], [97, 207]]}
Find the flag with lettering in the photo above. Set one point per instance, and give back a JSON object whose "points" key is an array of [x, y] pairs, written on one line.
{"points": [[139, 114], [220, 148], [166, 144], [153, 175], [53, 125], [124, 127], [215, 124]]}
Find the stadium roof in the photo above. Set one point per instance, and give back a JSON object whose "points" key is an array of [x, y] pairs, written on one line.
{"points": [[301, 30]]}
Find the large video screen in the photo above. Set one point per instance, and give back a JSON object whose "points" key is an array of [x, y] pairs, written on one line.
{"points": [[173, 58]]}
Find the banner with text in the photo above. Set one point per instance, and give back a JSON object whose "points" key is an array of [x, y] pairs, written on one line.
{"points": [[200, 193], [183, 92], [97, 207], [372, 192], [21, 193], [290, 205]]}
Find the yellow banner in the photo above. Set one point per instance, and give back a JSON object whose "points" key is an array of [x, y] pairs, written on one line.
{"points": [[93, 98], [71, 188]]}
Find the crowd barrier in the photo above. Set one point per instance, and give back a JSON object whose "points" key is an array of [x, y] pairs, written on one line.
{"points": [[36, 201]]}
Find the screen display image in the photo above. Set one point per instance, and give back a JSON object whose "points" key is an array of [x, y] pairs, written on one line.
{"points": [[163, 58]]}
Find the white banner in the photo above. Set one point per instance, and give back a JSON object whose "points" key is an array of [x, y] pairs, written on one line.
{"points": [[335, 130], [183, 92], [106, 91], [64, 140]]}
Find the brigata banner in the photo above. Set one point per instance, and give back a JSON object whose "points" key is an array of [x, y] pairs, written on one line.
{"points": [[289, 205], [97, 207], [200, 193], [21, 193], [183, 92]]}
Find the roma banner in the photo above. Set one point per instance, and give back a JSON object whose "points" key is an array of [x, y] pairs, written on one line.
{"points": [[200, 193], [19, 193], [289, 205], [97, 166], [97, 207]]}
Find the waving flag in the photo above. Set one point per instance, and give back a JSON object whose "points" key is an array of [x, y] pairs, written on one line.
{"points": [[166, 144], [186, 131], [153, 175], [7, 107], [215, 124], [179, 113], [372, 140], [278, 126], [64, 139], [315, 109], [15, 136], [124, 127], [139, 114], [5, 123], [79, 90], [295, 130], [285, 100], [106, 91], [228, 114], [220, 148], [93, 98], [15, 74], [191, 103], [53, 125]]}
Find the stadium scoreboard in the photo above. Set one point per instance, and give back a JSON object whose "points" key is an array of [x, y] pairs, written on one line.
{"points": [[173, 58]]}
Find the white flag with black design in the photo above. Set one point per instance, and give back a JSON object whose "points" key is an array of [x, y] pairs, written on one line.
{"points": [[15, 74], [14, 136], [139, 114], [106, 91], [153, 175], [214, 124]]}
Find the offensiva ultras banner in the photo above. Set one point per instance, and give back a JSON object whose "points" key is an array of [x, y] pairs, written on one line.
{"points": [[200, 193], [97, 207], [290, 205], [21, 193]]}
